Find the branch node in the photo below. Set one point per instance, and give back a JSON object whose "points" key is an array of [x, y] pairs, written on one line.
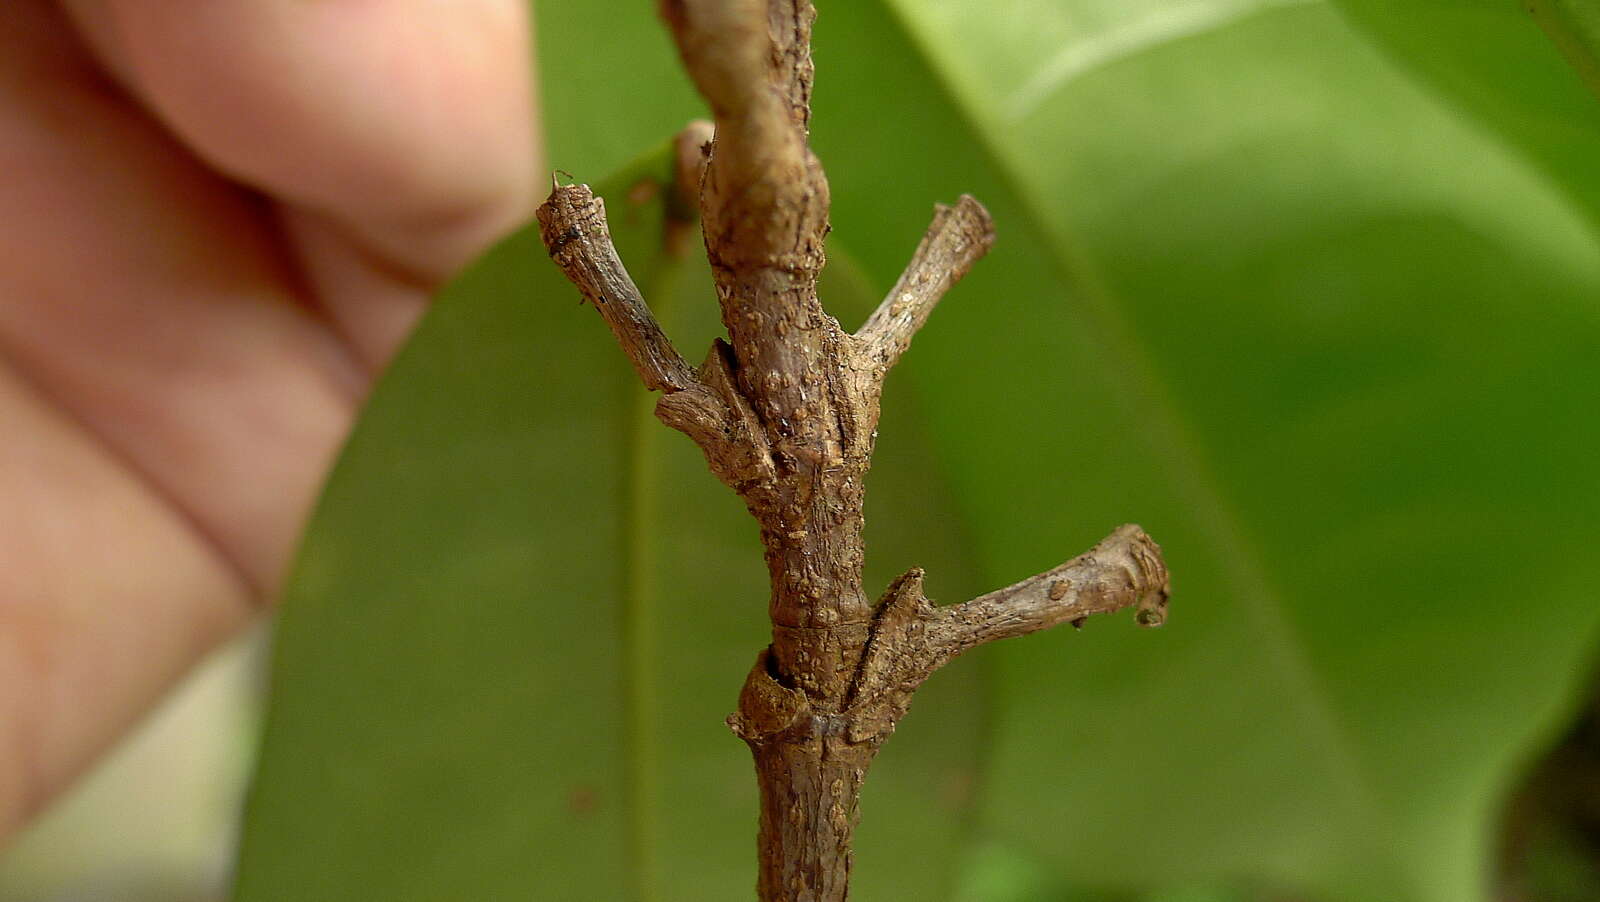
{"points": [[894, 662], [910, 638], [719, 419], [767, 707]]}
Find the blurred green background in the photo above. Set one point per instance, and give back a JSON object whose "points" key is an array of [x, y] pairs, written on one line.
{"points": [[1311, 290]]}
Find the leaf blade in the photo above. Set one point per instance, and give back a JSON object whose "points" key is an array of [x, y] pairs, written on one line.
{"points": [[1084, 202], [373, 591]]}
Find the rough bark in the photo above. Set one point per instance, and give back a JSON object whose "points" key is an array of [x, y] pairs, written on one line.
{"points": [[786, 411]]}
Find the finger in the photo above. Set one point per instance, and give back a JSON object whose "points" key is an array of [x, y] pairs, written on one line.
{"points": [[373, 304], [169, 405], [407, 124], [148, 297], [105, 600]]}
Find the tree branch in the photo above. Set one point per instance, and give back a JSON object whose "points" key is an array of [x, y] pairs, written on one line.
{"points": [[573, 225], [1125, 570], [958, 237], [786, 412], [765, 198], [764, 203], [720, 421], [911, 638]]}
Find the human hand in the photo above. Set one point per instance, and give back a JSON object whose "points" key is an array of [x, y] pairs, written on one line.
{"points": [[217, 222]]}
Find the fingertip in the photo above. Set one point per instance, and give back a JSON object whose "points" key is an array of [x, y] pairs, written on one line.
{"points": [[410, 124]]}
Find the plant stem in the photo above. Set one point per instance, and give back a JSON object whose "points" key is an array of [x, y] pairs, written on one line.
{"points": [[786, 411]]}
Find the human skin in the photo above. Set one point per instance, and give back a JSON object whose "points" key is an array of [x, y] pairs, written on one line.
{"points": [[218, 219]]}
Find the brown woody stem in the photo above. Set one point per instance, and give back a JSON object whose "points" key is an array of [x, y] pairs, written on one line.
{"points": [[573, 225], [958, 238], [786, 412]]}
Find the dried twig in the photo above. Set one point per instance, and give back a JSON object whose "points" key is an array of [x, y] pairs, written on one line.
{"points": [[785, 412], [958, 238], [573, 225]]}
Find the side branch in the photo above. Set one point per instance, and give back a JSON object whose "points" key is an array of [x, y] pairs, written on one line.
{"points": [[911, 638], [1125, 570], [573, 225], [958, 237]]}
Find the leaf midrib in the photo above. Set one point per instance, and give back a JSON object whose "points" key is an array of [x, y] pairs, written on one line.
{"points": [[1241, 564], [640, 597]]}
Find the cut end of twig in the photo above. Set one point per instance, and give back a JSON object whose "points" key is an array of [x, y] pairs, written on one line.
{"points": [[1156, 579], [565, 213], [1152, 611], [972, 219]]}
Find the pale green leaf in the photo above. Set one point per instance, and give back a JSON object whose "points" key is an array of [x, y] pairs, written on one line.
{"points": [[1488, 61]]}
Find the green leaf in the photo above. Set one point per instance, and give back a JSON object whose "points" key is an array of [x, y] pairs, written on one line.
{"points": [[1322, 319], [524, 608], [1575, 29], [1333, 347], [1487, 60], [1324, 333]]}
